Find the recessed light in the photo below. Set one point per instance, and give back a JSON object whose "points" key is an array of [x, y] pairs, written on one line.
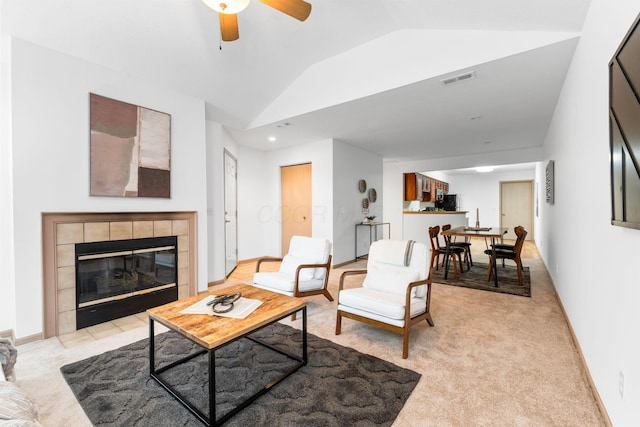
{"points": [[272, 138], [484, 169]]}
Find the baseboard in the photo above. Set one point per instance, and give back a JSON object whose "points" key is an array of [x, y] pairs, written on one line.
{"points": [[8, 334], [342, 264], [576, 343], [29, 339]]}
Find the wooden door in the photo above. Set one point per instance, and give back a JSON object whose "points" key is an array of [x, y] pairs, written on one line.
{"points": [[295, 184], [516, 207]]}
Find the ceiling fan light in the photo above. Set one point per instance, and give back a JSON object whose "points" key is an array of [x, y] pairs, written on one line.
{"points": [[229, 7]]}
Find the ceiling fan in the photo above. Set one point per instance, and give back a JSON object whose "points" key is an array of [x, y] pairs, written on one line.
{"points": [[228, 13]]}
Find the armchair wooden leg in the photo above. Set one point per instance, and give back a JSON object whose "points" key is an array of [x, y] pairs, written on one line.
{"points": [[338, 324], [327, 295], [430, 320], [405, 343]]}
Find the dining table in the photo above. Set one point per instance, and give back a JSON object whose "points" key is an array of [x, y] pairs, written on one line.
{"points": [[492, 233]]}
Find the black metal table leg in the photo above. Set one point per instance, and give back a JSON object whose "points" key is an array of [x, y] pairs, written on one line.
{"points": [[495, 264]]}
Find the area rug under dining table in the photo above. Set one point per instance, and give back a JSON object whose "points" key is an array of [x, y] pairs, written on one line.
{"points": [[476, 278], [339, 386]]}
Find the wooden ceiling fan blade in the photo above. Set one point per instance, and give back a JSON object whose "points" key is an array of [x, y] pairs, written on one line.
{"points": [[298, 9], [229, 27]]}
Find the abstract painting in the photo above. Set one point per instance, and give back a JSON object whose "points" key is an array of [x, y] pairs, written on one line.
{"points": [[130, 150]]}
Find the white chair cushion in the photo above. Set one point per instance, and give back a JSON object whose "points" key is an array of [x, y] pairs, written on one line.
{"points": [[291, 262], [311, 248], [280, 282], [419, 262], [371, 303], [390, 280]]}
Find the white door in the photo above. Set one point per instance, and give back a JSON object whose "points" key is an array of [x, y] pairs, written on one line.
{"points": [[516, 207], [230, 214]]}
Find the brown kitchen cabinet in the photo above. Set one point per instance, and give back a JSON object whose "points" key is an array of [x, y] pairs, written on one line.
{"points": [[423, 188], [413, 186]]}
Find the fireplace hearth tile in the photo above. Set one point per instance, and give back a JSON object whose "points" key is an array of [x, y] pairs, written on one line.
{"points": [[67, 277], [142, 229], [103, 330], [121, 230], [66, 299], [67, 322], [162, 228], [180, 227], [69, 233], [66, 255], [96, 231], [76, 338], [128, 323]]}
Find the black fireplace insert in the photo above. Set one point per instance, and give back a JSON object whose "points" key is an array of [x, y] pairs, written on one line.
{"points": [[122, 277]]}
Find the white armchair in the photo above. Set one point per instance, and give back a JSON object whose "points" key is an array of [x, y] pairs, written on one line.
{"points": [[395, 293], [304, 271]]}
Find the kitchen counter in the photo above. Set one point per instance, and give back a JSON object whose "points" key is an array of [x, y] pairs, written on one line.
{"points": [[434, 212]]}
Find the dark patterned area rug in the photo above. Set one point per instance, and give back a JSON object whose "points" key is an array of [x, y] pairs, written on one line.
{"points": [[476, 278], [339, 386]]}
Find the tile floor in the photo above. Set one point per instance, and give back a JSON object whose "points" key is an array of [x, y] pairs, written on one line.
{"points": [[103, 330]]}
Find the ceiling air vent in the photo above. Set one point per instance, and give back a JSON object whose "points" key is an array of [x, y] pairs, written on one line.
{"points": [[458, 78]]}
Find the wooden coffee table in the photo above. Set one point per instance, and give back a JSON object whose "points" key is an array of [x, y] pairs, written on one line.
{"points": [[213, 332]]}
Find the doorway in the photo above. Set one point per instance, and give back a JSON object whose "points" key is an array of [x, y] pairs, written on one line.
{"points": [[516, 207], [295, 182], [230, 214]]}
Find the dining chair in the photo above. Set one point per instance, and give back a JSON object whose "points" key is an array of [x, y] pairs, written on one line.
{"points": [[504, 246], [437, 250], [505, 253], [395, 293], [466, 245]]}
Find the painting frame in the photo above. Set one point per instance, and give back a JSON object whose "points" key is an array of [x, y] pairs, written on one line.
{"points": [[130, 149]]}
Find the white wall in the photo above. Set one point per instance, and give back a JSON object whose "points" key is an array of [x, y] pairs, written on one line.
{"points": [[481, 191], [592, 263], [218, 140], [259, 198], [350, 165], [7, 290], [50, 142]]}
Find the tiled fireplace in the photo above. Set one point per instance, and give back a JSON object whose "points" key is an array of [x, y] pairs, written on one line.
{"points": [[63, 231]]}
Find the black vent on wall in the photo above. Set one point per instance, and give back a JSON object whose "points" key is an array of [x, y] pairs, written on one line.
{"points": [[624, 130]]}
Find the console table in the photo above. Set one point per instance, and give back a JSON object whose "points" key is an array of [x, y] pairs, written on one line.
{"points": [[373, 234]]}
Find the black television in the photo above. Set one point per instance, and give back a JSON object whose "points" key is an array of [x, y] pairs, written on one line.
{"points": [[624, 130]]}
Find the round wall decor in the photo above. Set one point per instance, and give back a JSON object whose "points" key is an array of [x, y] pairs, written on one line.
{"points": [[373, 196], [365, 203], [362, 185]]}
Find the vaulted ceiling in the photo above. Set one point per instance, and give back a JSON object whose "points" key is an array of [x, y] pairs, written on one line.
{"points": [[366, 72]]}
